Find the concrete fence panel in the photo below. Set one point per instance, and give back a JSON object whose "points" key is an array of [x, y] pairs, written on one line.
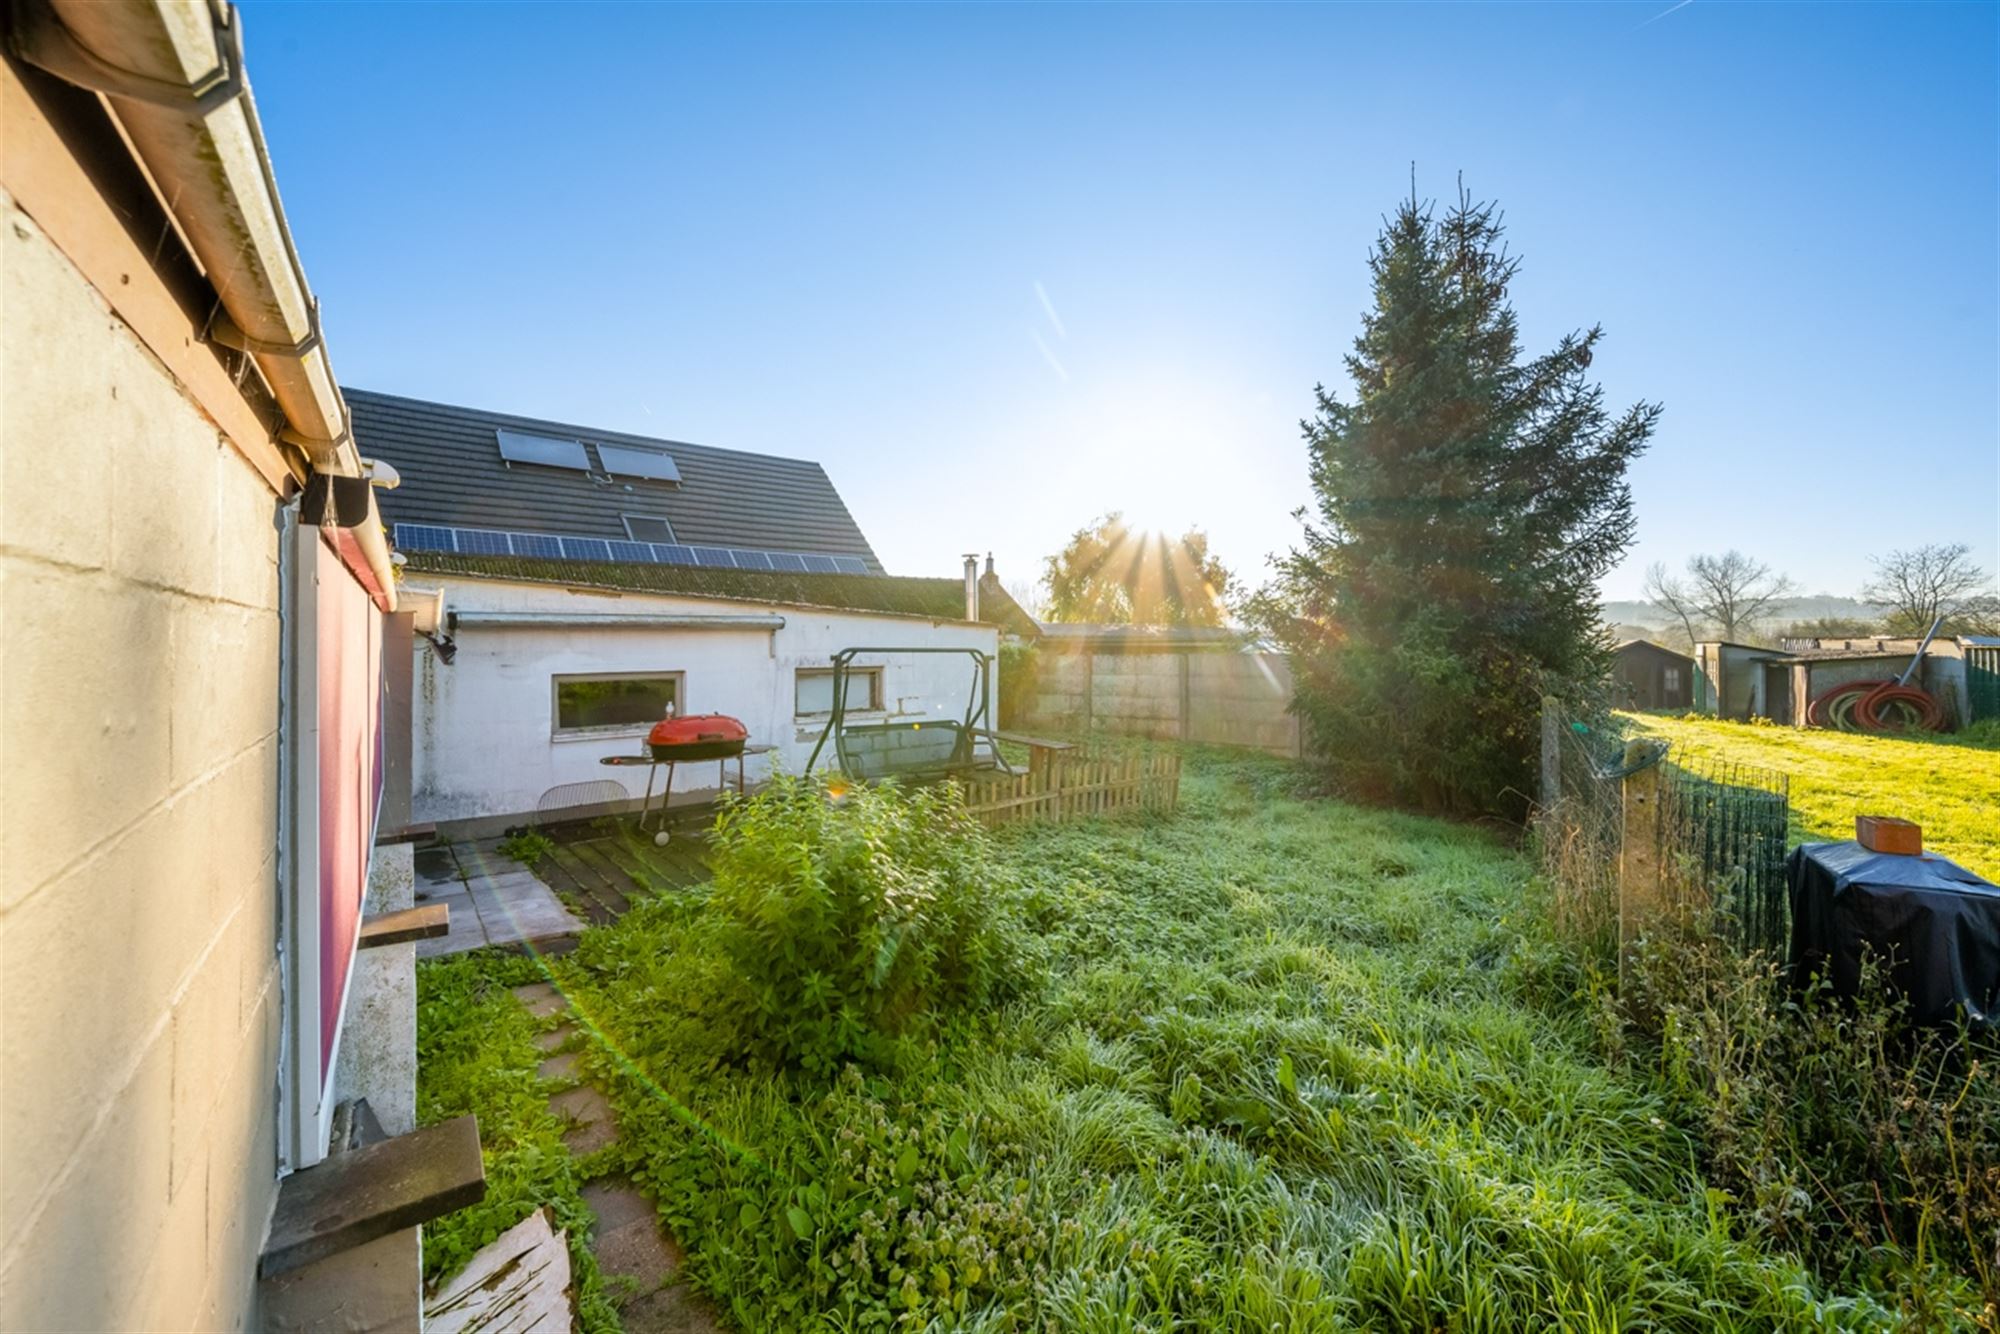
{"points": [[1230, 699]]}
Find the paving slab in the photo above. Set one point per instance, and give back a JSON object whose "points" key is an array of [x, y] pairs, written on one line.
{"points": [[459, 940], [669, 1310], [593, 1125], [616, 1201], [500, 902], [630, 1244], [561, 1066], [555, 1037], [522, 917], [434, 864], [541, 998]]}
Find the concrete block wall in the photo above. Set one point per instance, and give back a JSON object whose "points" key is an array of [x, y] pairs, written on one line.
{"points": [[1230, 699], [138, 826], [1242, 699]]}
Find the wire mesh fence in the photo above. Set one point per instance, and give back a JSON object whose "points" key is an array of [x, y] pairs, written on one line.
{"points": [[1630, 834], [1721, 833]]}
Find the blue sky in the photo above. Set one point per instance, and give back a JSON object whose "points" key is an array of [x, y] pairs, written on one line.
{"points": [[1003, 268]]}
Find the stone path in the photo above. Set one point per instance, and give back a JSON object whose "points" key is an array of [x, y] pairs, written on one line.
{"points": [[641, 1263], [494, 900]]}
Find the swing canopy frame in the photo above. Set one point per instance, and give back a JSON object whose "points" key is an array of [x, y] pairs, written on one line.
{"points": [[915, 750]]}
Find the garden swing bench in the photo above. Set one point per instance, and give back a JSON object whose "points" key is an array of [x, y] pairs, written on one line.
{"points": [[924, 750]]}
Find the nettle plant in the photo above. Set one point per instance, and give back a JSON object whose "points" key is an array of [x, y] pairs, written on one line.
{"points": [[853, 918]]}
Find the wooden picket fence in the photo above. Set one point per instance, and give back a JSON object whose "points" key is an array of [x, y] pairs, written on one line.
{"points": [[1076, 787]]}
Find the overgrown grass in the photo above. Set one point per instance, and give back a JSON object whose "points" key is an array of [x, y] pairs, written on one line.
{"points": [[476, 1053], [1289, 1068], [1948, 785]]}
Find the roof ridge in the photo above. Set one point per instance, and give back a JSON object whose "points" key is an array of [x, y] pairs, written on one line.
{"points": [[590, 433]]}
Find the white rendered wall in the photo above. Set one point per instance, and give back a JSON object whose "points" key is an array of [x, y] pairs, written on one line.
{"points": [[484, 743]]}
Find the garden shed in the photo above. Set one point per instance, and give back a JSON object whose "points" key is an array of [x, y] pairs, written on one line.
{"points": [[1651, 676], [1812, 672]]}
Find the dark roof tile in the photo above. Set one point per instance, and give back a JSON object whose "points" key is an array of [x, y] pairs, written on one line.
{"points": [[453, 475]]}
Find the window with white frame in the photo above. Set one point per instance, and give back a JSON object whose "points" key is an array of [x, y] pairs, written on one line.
{"points": [[613, 703], [812, 690]]}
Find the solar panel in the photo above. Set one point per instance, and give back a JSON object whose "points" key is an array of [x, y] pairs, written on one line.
{"points": [[537, 545], [423, 537], [482, 542], [545, 450], [556, 546], [648, 463]]}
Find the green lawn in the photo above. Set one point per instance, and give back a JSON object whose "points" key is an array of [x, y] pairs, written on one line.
{"points": [[1949, 787], [1290, 1067]]}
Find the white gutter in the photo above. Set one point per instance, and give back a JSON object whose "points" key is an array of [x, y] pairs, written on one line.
{"points": [[172, 73], [564, 620]]}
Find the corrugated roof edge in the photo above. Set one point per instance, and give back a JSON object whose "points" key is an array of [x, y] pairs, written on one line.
{"points": [[881, 594]]}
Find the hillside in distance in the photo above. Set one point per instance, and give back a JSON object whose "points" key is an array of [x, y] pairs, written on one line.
{"points": [[1809, 607]]}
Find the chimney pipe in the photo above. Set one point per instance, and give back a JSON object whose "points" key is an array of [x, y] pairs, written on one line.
{"points": [[989, 565], [971, 585]]}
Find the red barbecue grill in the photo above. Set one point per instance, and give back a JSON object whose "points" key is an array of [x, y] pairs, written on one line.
{"points": [[697, 736]]}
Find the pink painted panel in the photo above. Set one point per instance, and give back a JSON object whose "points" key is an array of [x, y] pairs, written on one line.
{"points": [[350, 675]]}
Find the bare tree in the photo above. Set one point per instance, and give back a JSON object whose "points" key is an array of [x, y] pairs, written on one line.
{"points": [[1727, 594], [1666, 592], [1927, 582], [1735, 592]]}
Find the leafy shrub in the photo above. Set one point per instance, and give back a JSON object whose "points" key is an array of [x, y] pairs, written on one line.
{"points": [[1020, 672], [851, 916], [527, 847]]}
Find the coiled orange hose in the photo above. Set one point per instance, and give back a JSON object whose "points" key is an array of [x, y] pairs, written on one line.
{"points": [[1876, 706]]}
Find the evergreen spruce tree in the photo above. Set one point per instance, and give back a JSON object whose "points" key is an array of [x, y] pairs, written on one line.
{"points": [[1467, 502]]}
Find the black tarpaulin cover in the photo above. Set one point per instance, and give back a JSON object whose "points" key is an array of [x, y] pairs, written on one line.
{"points": [[1938, 923]]}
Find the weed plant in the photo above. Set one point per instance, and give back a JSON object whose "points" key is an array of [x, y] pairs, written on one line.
{"points": [[849, 919]]}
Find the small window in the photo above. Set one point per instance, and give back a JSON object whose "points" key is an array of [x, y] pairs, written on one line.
{"points": [[1670, 679], [588, 705], [643, 529], [812, 691]]}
